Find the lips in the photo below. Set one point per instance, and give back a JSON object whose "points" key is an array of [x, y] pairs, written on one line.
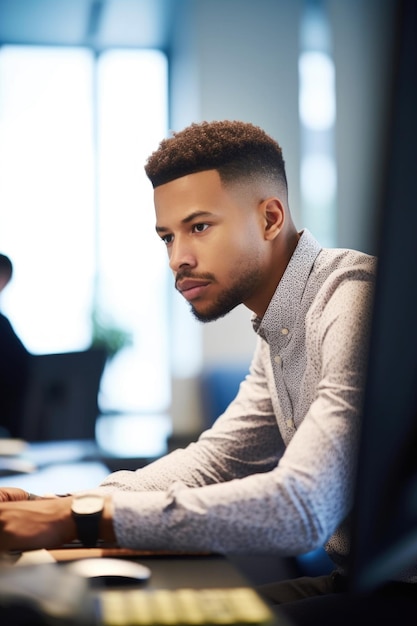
{"points": [[190, 288]]}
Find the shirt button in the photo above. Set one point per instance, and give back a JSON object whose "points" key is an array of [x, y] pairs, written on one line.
{"points": [[284, 331], [290, 423], [277, 359]]}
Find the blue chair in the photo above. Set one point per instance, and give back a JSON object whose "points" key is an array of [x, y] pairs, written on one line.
{"points": [[219, 386]]}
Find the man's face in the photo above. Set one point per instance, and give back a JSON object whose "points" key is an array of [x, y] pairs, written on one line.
{"points": [[214, 241]]}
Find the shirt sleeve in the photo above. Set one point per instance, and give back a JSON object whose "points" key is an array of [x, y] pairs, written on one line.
{"points": [[228, 493]]}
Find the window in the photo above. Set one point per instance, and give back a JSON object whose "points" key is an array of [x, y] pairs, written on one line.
{"points": [[317, 108], [76, 214]]}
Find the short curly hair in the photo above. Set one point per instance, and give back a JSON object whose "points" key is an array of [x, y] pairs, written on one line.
{"points": [[237, 150]]}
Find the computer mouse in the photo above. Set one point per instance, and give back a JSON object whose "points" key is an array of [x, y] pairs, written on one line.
{"points": [[110, 571]]}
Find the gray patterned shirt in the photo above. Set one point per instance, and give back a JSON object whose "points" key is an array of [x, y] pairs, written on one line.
{"points": [[275, 472]]}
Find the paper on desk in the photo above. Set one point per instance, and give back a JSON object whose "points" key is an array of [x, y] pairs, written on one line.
{"points": [[35, 557], [12, 447]]}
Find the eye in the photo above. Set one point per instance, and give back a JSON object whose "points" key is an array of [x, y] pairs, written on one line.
{"points": [[199, 228], [167, 239]]}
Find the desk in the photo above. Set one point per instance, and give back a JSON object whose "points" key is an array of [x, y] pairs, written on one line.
{"points": [[122, 442], [168, 572], [173, 570], [63, 477], [75, 465]]}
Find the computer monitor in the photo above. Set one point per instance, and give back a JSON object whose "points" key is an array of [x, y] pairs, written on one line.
{"points": [[384, 537], [61, 401]]}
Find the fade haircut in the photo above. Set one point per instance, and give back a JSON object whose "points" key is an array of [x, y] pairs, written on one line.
{"points": [[237, 150]]}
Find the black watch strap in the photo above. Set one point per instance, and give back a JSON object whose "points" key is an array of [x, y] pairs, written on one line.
{"points": [[88, 526], [87, 510]]}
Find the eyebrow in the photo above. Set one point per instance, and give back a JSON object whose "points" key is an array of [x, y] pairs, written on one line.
{"points": [[186, 220]]}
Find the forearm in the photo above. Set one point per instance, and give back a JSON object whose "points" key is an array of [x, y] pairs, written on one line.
{"points": [[258, 514], [291, 509]]}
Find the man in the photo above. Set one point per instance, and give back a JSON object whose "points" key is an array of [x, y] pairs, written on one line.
{"points": [[14, 365], [275, 472]]}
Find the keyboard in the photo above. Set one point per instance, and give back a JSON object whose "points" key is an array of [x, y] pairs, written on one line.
{"points": [[171, 607]]}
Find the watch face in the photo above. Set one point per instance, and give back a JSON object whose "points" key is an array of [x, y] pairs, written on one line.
{"points": [[87, 504]]}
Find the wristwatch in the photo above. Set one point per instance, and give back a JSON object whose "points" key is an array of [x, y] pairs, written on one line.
{"points": [[87, 510]]}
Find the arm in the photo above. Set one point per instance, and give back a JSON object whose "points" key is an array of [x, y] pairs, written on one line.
{"points": [[296, 506], [289, 509], [244, 440]]}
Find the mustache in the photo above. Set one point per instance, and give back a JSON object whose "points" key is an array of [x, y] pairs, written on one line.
{"points": [[186, 273]]}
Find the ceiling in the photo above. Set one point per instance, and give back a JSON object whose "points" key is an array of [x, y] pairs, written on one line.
{"points": [[99, 23]]}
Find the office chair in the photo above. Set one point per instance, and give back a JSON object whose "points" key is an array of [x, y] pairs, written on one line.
{"points": [[219, 385], [61, 401]]}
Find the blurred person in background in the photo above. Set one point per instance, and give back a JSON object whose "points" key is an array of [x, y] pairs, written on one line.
{"points": [[14, 365]]}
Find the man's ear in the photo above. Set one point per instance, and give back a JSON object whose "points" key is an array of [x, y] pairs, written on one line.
{"points": [[273, 215]]}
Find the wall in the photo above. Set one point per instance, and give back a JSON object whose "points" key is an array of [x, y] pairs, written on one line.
{"points": [[238, 59], [234, 59], [362, 40]]}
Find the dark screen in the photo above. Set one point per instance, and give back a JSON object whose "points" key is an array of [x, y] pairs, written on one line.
{"points": [[385, 513]]}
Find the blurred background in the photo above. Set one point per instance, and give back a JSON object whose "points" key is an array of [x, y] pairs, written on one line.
{"points": [[88, 88]]}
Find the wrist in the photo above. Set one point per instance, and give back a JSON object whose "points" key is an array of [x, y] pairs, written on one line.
{"points": [[92, 517], [87, 510]]}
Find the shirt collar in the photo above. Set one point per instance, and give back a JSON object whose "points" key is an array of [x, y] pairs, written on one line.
{"points": [[284, 305]]}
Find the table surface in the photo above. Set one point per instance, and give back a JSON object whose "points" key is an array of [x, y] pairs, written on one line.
{"points": [[169, 571], [194, 571], [63, 466], [123, 441]]}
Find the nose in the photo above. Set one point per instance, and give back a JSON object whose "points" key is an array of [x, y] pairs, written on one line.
{"points": [[181, 254]]}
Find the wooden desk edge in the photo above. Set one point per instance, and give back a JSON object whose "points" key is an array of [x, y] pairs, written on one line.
{"points": [[72, 554]]}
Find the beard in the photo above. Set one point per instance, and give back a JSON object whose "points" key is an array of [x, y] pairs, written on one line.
{"points": [[244, 284]]}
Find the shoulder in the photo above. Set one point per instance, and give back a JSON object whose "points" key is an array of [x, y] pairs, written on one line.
{"points": [[346, 293], [335, 262], [346, 273]]}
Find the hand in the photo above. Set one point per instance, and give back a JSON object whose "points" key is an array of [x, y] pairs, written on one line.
{"points": [[31, 525], [12, 494]]}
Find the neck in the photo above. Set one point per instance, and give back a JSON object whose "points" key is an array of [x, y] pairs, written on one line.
{"points": [[279, 260]]}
